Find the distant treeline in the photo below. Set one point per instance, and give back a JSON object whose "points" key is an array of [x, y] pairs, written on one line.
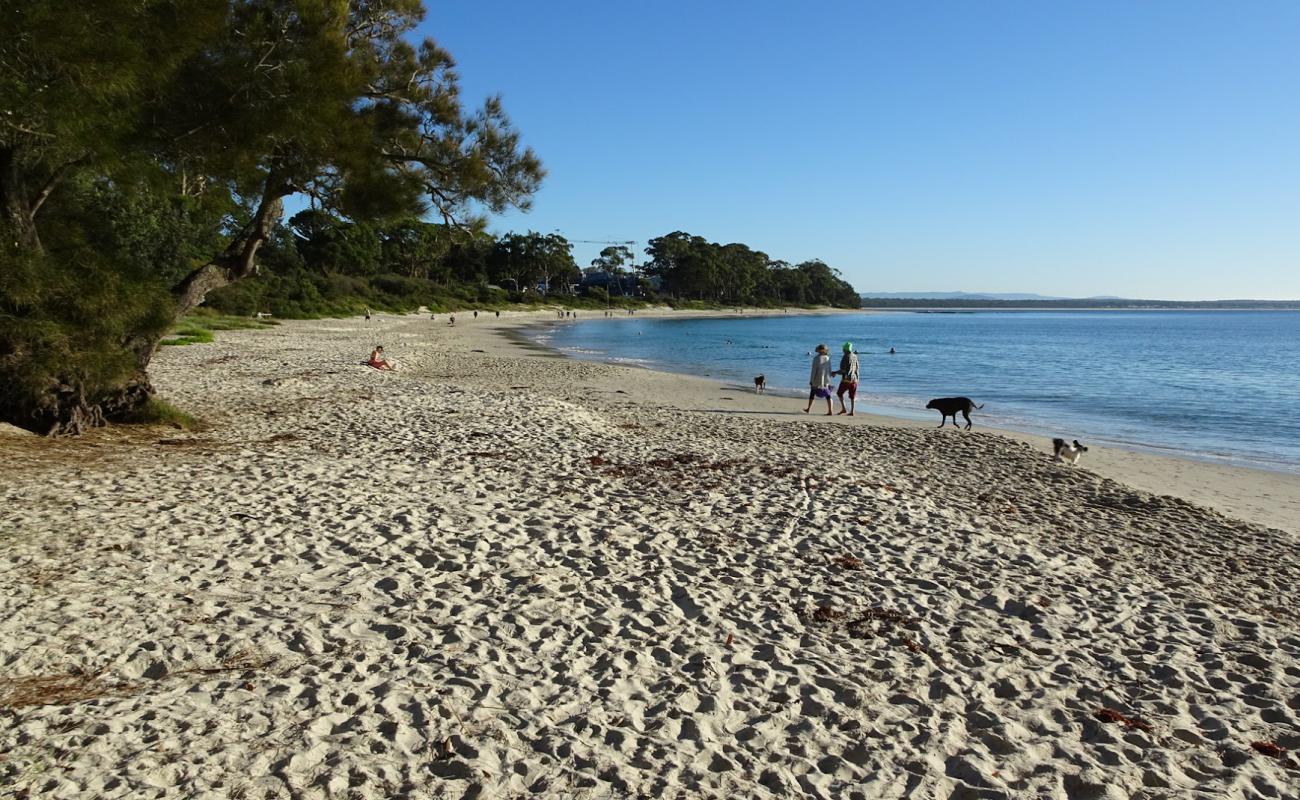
{"points": [[148, 149], [321, 264], [1227, 305]]}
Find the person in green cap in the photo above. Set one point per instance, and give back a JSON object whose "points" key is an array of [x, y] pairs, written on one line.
{"points": [[848, 373]]}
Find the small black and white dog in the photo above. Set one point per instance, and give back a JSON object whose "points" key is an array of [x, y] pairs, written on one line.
{"points": [[1068, 452], [951, 407], [760, 384]]}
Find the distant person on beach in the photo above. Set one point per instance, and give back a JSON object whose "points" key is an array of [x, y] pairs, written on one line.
{"points": [[498, 315], [367, 315], [452, 321], [819, 380], [476, 313], [848, 373], [377, 359]]}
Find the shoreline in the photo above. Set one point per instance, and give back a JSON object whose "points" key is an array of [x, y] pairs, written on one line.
{"points": [[497, 573], [1252, 492], [884, 410]]}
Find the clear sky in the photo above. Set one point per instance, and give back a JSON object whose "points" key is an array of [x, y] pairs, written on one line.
{"points": [[1141, 149]]}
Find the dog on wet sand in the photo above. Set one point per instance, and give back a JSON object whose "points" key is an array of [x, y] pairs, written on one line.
{"points": [[1068, 452], [760, 384], [951, 407]]}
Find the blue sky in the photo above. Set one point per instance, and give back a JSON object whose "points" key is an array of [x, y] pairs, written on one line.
{"points": [[1143, 149]]}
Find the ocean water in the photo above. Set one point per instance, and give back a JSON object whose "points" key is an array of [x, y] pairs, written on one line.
{"points": [[1218, 385]]}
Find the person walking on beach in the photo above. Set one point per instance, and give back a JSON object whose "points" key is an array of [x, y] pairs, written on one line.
{"points": [[848, 373], [819, 380]]}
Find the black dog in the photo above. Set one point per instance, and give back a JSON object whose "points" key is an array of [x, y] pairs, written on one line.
{"points": [[950, 406], [760, 384]]}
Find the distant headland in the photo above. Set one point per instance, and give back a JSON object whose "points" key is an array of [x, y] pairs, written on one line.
{"points": [[1043, 302]]}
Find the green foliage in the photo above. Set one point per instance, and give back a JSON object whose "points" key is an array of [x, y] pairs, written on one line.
{"points": [[146, 147], [612, 258], [65, 312], [442, 268], [533, 260], [690, 267], [188, 333], [156, 411], [198, 327]]}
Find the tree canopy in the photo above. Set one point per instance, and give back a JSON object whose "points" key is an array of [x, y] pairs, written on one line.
{"points": [[693, 267], [146, 148]]}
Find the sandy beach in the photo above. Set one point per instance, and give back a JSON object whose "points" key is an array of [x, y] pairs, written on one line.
{"points": [[499, 573]]}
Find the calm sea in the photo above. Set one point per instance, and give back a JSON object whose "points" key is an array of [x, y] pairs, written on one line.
{"points": [[1222, 385]]}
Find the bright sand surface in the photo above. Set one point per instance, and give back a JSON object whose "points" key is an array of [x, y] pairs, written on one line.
{"points": [[498, 573]]}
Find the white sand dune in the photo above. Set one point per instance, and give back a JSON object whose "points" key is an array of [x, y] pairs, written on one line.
{"points": [[495, 574]]}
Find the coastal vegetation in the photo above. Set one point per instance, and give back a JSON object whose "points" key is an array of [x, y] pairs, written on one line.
{"points": [[148, 147], [321, 264]]}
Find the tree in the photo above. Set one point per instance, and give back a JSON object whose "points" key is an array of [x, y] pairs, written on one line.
{"points": [[416, 248], [608, 267], [690, 266], [235, 104], [612, 259], [329, 244], [532, 259]]}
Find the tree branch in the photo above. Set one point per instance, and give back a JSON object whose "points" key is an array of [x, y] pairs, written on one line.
{"points": [[51, 185], [239, 259]]}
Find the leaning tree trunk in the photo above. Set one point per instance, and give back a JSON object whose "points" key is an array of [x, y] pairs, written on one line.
{"points": [[238, 260], [65, 408], [17, 206]]}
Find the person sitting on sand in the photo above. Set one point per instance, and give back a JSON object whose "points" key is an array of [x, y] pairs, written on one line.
{"points": [[848, 373], [819, 381], [377, 359]]}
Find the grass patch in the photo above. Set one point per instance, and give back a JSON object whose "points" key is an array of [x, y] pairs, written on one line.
{"points": [[188, 333], [160, 412], [197, 328], [226, 322]]}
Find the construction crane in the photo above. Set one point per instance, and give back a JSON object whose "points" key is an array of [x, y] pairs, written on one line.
{"points": [[600, 241]]}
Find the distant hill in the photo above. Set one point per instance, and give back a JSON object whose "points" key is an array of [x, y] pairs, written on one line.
{"points": [[961, 296], [1031, 301]]}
